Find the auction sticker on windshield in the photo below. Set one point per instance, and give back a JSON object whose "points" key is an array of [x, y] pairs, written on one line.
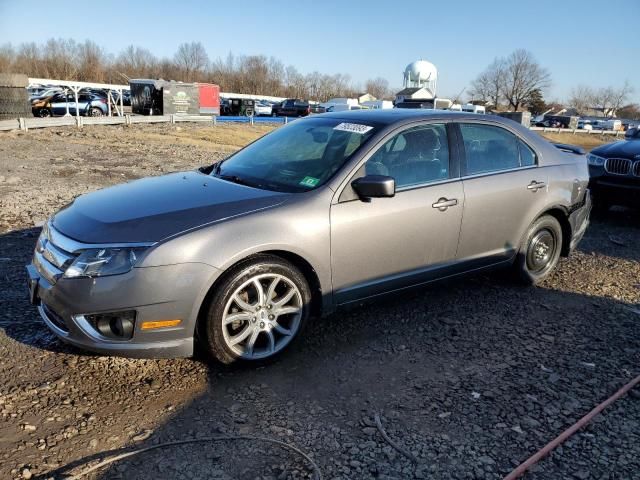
{"points": [[309, 182], [353, 127]]}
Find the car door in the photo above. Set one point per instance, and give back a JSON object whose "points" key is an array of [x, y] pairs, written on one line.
{"points": [[504, 190], [84, 101], [59, 105], [383, 244]]}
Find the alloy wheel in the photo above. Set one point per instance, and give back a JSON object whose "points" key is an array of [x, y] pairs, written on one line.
{"points": [[262, 316]]}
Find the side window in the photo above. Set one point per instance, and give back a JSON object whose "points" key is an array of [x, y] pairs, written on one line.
{"points": [[490, 149], [415, 156], [527, 156]]}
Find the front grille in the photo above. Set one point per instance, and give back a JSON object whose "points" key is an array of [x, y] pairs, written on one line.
{"points": [[636, 168], [51, 260], [56, 256], [54, 317], [618, 166]]}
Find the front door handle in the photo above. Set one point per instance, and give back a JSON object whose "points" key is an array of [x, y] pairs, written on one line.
{"points": [[443, 203], [535, 186]]}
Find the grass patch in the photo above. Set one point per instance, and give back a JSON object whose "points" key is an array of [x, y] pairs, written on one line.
{"points": [[586, 141]]}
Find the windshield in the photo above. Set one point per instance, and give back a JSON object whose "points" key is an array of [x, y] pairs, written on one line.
{"points": [[296, 158]]}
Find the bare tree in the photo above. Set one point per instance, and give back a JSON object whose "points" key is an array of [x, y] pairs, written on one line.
{"points": [[92, 62], [378, 87], [27, 60], [7, 57], [136, 62], [488, 86], [620, 96], [581, 98], [59, 59], [523, 74], [258, 74], [191, 59]]}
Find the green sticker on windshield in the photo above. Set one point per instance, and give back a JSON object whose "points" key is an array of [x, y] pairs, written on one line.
{"points": [[309, 182]]}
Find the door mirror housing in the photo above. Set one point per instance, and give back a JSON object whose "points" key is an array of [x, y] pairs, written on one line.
{"points": [[374, 186]]}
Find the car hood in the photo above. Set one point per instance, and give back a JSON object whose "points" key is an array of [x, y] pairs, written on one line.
{"points": [[623, 149], [154, 208]]}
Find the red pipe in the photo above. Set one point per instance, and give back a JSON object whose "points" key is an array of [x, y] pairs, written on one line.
{"points": [[544, 451]]}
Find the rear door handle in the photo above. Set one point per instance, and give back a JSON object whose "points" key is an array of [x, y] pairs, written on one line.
{"points": [[443, 203], [535, 186]]}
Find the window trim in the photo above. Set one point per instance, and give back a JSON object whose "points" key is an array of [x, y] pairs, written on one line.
{"points": [[455, 157], [463, 154]]}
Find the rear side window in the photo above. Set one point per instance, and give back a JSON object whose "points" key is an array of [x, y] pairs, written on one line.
{"points": [[527, 156], [491, 149]]}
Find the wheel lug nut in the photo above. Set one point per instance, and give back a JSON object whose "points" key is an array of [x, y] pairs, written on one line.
{"points": [[261, 324], [271, 317], [269, 307]]}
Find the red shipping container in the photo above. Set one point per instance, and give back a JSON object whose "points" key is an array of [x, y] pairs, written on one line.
{"points": [[209, 99]]}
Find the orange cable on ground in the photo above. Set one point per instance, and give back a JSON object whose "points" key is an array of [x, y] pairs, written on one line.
{"points": [[544, 451]]}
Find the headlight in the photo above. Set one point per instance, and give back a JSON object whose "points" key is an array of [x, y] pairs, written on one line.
{"points": [[595, 160], [101, 262]]}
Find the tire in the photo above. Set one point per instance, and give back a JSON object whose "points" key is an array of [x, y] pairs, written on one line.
{"points": [[257, 333], [44, 113], [95, 112], [540, 251]]}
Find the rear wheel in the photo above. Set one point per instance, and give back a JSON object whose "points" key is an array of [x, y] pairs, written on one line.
{"points": [[257, 311], [540, 250], [44, 112], [95, 112]]}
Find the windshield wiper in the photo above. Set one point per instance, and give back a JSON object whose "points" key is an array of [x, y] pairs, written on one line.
{"points": [[237, 179]]}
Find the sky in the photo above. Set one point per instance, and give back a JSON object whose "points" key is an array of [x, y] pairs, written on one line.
{"points": [[592, 42]]}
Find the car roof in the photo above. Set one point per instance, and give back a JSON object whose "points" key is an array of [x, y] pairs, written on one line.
{"points": [[391, 116]]}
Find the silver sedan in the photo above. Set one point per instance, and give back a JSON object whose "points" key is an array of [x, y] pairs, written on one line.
{"points": [[324, 212]]}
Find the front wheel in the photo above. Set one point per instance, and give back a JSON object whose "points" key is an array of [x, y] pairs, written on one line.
{"points": [[258, 310], [540, 250], [95, 112]]}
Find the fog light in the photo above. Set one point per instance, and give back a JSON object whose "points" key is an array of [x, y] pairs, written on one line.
{"points": [[115, 325]]}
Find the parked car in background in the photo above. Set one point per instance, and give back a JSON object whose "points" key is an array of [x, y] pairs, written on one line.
{"points": [[615, 172], [633, 133], [325, 212], [243, 107], [89, 104], [262, 108], [316, 108], [342, 107], [292, 107], [48, 92], [585, 125]]}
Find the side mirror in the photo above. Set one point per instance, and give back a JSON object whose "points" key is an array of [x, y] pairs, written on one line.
{"points": [[374, 186]]}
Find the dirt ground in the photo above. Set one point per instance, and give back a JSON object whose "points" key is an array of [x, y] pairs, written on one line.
{"points": [[471, 376]]}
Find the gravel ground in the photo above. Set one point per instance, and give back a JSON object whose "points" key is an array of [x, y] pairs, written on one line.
{"points": [[470, 376]]}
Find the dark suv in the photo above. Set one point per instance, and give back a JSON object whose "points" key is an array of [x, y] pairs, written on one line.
{"points": [[291, 107], [615, 172]]}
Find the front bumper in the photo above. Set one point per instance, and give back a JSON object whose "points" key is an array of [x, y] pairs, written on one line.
{"points": [[155, 293], [614, 189]]}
